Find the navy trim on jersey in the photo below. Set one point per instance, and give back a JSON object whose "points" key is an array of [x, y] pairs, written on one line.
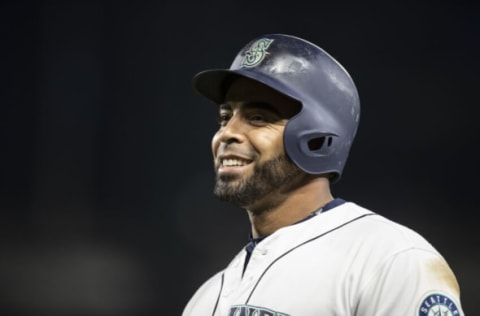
{"points": [[219, 294], [332, 204], [298, 246]]}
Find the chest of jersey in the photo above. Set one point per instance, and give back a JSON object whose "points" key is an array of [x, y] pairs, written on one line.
{"points": [[348, 261], [295, 273]]}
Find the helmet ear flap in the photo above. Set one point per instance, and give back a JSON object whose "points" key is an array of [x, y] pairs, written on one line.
{"points": [[317, 151], [312, 146]]}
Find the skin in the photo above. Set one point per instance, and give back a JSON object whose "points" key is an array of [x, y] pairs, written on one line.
{"points": [[252, 121]]}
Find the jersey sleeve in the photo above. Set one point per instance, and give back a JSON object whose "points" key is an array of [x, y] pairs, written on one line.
{"points": [[413, 282]]}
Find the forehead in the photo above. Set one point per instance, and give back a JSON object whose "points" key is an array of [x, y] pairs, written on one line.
{"points": [[245, 90]]}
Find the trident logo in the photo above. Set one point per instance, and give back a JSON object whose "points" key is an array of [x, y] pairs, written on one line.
{"points": [[256, 53]]}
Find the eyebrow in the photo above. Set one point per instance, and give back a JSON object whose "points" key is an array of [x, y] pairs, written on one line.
{"points": [[225, 106], [254, 105]]}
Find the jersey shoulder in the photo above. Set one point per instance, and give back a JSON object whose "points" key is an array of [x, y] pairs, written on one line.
{"points": [[384, 231], [405, 265]]}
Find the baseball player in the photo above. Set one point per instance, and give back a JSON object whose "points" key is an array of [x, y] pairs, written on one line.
{"points": [[288, 115]]}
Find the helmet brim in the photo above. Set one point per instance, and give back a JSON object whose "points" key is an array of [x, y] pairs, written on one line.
{"points": [[214, 83]]}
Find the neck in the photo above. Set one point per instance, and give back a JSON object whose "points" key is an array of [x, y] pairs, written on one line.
{"points": [[290, 207]]}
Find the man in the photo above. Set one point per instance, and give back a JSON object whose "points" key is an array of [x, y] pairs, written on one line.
{"points": [[288, 114]]}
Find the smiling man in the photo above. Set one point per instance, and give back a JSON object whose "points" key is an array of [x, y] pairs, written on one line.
{"points": [[288, 115]]}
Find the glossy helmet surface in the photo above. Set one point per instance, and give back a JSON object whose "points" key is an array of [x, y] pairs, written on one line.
{"points": [[318, 138]]}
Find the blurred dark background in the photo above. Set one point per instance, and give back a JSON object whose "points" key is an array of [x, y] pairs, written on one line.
{"points": [[106, 175]]}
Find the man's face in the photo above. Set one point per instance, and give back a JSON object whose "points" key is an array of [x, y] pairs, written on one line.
{"points": [[252, 169]]}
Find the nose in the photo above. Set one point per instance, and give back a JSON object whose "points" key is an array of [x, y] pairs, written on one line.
{"points": [[232, 132]]}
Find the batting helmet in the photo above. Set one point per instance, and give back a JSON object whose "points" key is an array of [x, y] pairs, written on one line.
{"points": [[319, 137]]}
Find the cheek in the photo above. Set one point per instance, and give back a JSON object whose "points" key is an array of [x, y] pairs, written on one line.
{"points": [[269, 143]]}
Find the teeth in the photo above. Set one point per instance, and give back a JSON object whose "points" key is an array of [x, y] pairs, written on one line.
{"points": [[233, 162]]}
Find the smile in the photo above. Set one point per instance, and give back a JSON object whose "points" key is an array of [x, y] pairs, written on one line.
{"points": [[233, 162]]}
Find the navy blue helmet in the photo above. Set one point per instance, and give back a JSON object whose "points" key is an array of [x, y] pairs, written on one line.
{"points": [[318, 138]]}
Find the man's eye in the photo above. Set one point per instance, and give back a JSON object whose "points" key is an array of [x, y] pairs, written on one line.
{"points": [[257, 118], [223, 119]]}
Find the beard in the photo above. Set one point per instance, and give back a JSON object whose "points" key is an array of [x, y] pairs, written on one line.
{"points": [[279, 172]]}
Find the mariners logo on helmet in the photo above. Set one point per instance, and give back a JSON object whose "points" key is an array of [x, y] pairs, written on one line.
{"points": [[438, 304], [256, 53]]}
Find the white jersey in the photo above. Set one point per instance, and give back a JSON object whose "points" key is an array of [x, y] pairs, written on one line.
{"points": [[347, 261]]}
